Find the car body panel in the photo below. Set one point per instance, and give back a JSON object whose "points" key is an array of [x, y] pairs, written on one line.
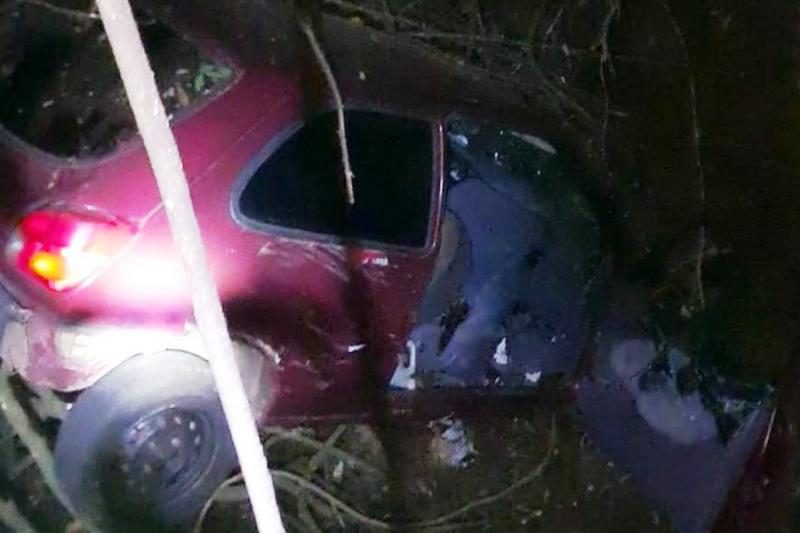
{"points": [[291, 293]]}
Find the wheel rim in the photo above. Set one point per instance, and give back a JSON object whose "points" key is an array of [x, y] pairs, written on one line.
{"points": [[162, 455]]}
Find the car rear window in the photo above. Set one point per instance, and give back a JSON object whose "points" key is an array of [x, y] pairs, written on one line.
{"points": [[300, 185], [60, 89]]}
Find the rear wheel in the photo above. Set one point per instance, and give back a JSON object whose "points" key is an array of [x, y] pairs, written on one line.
{"points": [[146, 446]]}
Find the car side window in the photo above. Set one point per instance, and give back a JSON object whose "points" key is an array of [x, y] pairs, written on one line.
{"points": [[300, 185]]}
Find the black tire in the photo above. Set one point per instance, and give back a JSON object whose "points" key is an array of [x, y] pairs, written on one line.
{"points": [[145, 447]]}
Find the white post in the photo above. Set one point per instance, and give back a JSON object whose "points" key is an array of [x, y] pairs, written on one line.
{"points": [[162, 150]]}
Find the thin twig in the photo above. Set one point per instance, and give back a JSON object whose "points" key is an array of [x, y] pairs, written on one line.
{"points": [[411, 5], [482, 502], [569, 50], [390, 21], [445, 519], [481, 27], [198, 524], [337, 97], [47, 404], [296, 481], [290, 482], [22, 466], [36, 444], [295, 523], [699, 293], [13, 519], [328, 445], [458, 526], [611, 13], [769, 430], [33, 441], [304, 512], [71, 13], [282, 476], [373, 14], [282, 434], [552, 27], [606, 63], [606, 107], [546, 87]]}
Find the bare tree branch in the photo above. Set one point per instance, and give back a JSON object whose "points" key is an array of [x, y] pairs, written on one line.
{"points": [[33, 441], [13, 519], [37, 446], [606, 64], [699, 293], [487, 500], [337, 97], [71, 13]]}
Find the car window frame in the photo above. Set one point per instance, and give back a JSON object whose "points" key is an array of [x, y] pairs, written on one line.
{"points": [[275, 230]]}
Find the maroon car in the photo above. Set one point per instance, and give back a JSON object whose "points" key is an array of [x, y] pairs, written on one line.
{"points": [[464, 265]]}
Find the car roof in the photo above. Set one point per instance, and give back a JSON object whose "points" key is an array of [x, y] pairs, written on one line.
{"points": [[371, 67]]}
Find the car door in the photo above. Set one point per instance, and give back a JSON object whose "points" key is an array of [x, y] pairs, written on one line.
{"points": [[332, 287]]}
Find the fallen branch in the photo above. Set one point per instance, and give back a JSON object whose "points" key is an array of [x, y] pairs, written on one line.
{"points": [[699, 293], [13, 519], [47, 404], [282, 434], [290, 482], [327, 447], [71, 13], [282, 476], [337, 98], [566, 49], [606, 63], [36, 444], [551, 28], [306, 516], [387, 10], [442, 522], [544, 87], [482, 502], [198, 524]]}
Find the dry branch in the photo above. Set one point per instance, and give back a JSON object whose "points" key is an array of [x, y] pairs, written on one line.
{"points": [[291, 482], [36, 444], [13, 519], [482, 502], [282, 434], [606, 64], [337, 98], [71, 13], [699, 293]]}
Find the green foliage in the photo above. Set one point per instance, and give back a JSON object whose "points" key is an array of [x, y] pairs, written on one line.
{"points": [[209, 74]]}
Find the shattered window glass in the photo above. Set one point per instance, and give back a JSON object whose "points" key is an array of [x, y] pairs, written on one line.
{"points": [[60, 89], [300, 186]]}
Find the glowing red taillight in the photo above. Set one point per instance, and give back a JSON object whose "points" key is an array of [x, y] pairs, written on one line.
{"points": [[63, 249]]}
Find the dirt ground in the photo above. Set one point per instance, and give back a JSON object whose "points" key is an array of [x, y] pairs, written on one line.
{"points": [[685, 114], [534, 474]]}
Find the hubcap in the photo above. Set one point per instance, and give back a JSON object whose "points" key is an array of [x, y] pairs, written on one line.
{"points": [[163, 454]]}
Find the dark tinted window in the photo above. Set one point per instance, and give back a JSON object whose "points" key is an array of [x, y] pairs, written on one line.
{"points": [[300, 186]]}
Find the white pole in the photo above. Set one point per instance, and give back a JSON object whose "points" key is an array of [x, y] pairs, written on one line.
{"points": [[162, 150]]}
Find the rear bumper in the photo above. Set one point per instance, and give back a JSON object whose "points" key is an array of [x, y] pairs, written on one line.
{"points": [[69, 357], [73, 357]]}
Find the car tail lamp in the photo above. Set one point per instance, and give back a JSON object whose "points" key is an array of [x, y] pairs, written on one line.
{"points": [[63, 249]]}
